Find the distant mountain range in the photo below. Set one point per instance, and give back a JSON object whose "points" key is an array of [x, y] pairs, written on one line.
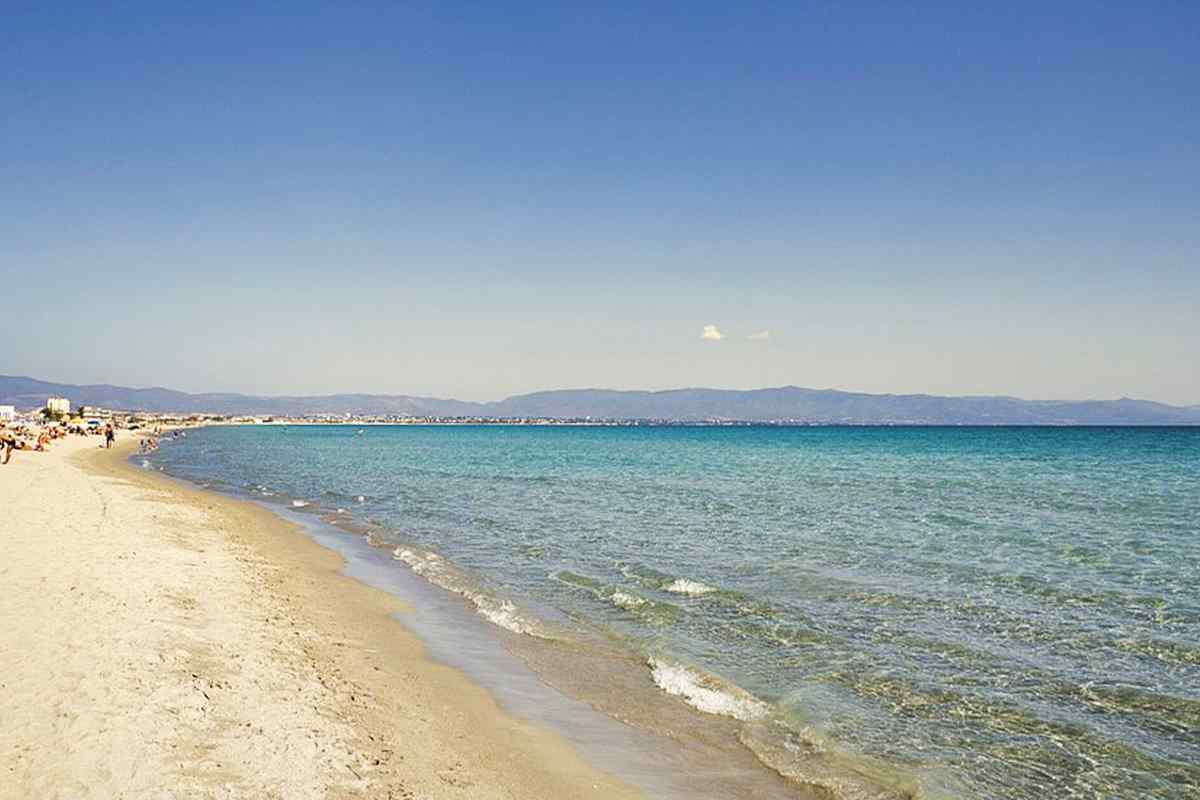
{"points": [[787, 403]]}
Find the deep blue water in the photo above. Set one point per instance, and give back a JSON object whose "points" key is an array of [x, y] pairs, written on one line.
{"points": [[987, 612]]}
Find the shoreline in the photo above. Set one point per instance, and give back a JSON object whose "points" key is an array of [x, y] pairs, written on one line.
{"points": [[583, 688], [649, 738], [457, 508], [265, 672]]}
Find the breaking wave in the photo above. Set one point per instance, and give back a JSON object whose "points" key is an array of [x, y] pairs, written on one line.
{"points": [[664, 582], [653, 612], [688, 587], [440, 572], [705, 692]]}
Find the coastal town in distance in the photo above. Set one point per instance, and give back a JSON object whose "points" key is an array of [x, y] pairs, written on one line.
{"points": [[58, 410], [84, 417]]}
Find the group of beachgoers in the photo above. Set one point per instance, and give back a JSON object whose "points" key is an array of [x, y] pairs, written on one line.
{"points": [[38, 439], [150, 443]]}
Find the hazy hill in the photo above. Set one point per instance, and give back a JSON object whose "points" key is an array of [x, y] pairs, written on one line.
{"points": [[784, 403], [828, 405], [29, 393]]}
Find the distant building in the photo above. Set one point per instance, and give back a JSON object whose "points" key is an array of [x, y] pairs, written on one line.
{"points": [[7, 413], [58, 405]]}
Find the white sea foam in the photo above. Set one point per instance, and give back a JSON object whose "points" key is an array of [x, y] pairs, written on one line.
{"points": [[420, 563], [705, 692], [688, 587], [500, 612], [627, 601], [437, 571]]}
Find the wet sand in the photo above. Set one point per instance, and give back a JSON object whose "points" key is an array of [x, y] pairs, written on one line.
{"points": [[162, 641]]}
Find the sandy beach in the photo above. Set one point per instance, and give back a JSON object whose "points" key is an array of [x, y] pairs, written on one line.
{"points": [[159, 641]]}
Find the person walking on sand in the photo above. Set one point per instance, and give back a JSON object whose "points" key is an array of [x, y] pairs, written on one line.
{"points": [[8, 442], [109, 436]]}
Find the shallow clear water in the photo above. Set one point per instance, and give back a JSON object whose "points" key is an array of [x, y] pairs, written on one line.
{"points": [[982, 612]]}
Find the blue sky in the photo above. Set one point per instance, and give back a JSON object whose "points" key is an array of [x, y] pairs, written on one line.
{"points": [[474, 200]]}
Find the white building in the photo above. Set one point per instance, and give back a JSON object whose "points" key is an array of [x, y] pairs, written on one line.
{"points": [[58, 405], [7, 413]]}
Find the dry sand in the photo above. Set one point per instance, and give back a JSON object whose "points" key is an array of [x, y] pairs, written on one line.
{"points": [[157, 641]]}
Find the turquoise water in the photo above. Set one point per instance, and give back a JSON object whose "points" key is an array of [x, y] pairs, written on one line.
{"points": [[961, 612]]}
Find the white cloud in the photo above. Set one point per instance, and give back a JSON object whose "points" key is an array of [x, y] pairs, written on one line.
{"points": [[761, 336], [712, 334]]}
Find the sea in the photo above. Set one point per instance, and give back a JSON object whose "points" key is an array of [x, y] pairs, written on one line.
{"points": [[840, 612]]}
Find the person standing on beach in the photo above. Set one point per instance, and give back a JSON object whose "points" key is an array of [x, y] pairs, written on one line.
{"points": [[8, 441], [109, 436]]}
